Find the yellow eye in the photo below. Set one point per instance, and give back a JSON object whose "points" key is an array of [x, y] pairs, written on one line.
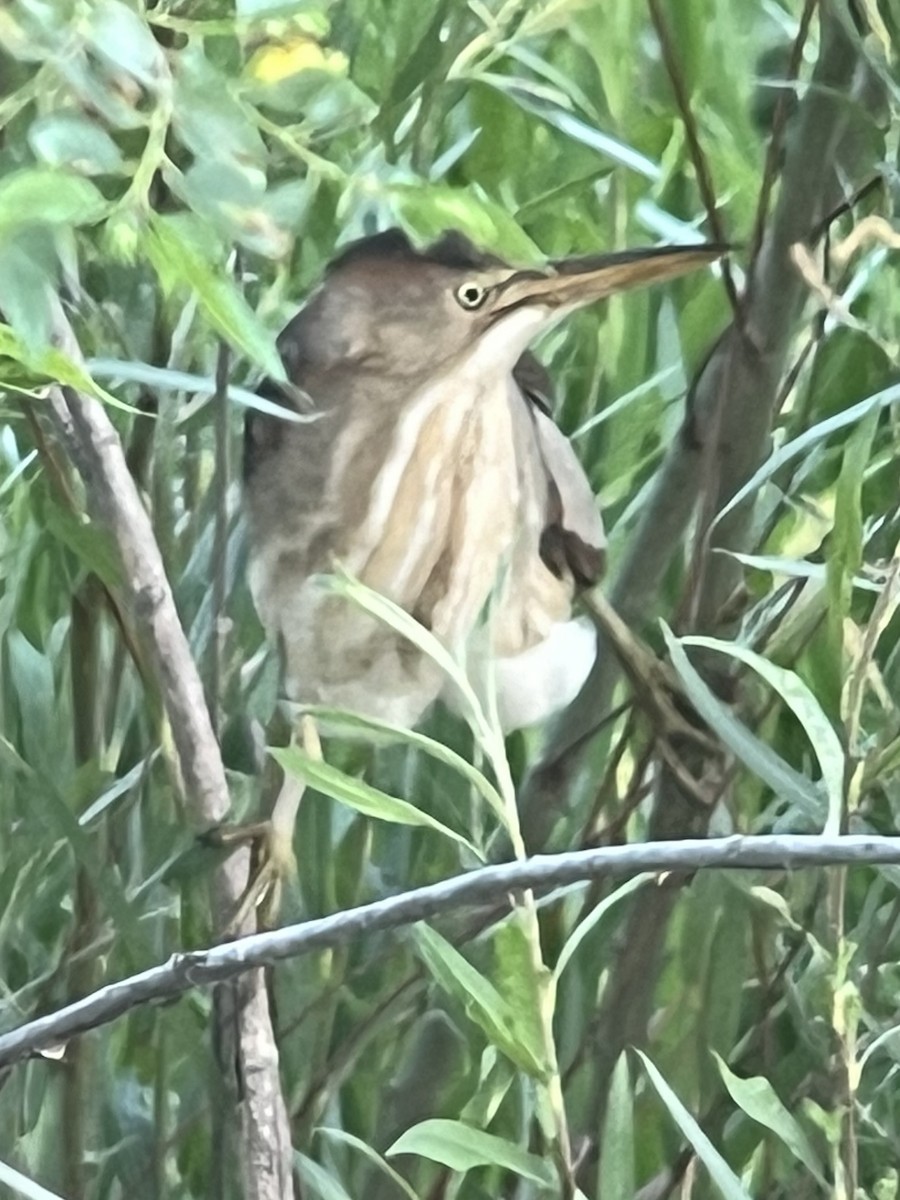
{"points": [[471, 295]]}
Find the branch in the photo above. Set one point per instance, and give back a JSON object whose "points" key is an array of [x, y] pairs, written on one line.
{"points": [[727, 430], [698, 158], [769, 852], [90, 440], [725, 438]]}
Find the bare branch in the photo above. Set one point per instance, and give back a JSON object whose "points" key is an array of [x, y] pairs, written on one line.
{"points": [[779, 123], [770, 852], [90, 440]]}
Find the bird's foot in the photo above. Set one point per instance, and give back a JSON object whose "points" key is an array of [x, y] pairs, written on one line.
{"points": [[272, 846]]}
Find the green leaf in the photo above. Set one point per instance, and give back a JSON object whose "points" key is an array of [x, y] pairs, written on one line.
{"points": [[44, 196], [90, 543], [527, 987], [53, 365], [27, 284], [584, 927], [616, 1176], [72, 140], [432, 209], [23, 1186], [318, 1180], [342, 1137], [719, 1171], [177, 261], [844, 555], [781, 777], [803, 704], [809, 438], [119, 35], [482, 1002], [460, 1147], [580, 131], [372, 602], [31, 675], [339, 723], [794, 568], [165, 379], [759, 1100], [358, 794]]}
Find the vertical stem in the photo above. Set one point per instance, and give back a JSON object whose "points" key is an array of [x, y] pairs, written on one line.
{"points": [[221, 479], [83, 976], [844, 1022], [544, 992]]}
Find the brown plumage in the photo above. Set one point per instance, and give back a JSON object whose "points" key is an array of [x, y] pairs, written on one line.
{"points": [[433, 471]]}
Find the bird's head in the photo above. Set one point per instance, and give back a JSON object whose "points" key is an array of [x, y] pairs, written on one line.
{"points": [[387, 307]]}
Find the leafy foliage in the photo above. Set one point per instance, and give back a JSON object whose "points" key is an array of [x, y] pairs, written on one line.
{"points": [[180, 174]]}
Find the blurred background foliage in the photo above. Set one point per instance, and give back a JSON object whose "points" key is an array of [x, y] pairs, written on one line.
{"points": [[180, 172]]}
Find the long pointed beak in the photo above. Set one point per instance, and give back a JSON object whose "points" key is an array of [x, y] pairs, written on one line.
{"points": [[573, 282]]}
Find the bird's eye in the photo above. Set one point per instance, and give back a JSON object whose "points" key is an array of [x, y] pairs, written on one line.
{"points": [[471, 295]]}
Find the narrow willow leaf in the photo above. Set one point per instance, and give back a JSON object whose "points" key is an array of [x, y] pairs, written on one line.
{"points": [[228, 312], [393, 615], [483, 1004], [66, 138], [485, 726], [810, 437], [580, 131], [373, 732], [885, 1036], [165, 379], [794, 568], [584, 927], [461, 1147], [360, 795], [645, 388], [23, 1186], [317, 1179], [803, 704], [56, 366], [759, 1100], [348, 1139], [719, 1171], [781, 777], [615, 1180]]}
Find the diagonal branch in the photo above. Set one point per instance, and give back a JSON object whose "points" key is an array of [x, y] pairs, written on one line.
{"points": [[90, 440], [772, 852]]}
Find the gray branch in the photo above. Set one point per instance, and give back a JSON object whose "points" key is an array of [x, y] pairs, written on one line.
{"points": [[91, 441], [770, 852]]}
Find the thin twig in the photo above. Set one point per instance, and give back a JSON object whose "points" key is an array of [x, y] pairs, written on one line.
{"points": [[221, 480], [770, 852], [779, 123], [698, 158]]}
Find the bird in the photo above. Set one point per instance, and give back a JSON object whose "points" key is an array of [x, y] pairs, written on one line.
{"points": [[433, 472]]}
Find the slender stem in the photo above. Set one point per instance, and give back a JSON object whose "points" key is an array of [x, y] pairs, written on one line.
{"points": [[698, 157], [221, 482]]}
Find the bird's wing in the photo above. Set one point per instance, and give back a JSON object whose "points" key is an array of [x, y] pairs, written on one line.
{"points": [[573, 538]]}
